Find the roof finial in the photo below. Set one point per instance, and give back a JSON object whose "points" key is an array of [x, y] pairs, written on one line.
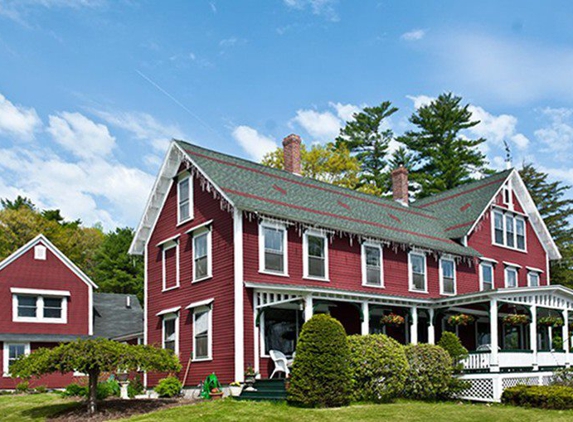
{"points": [[507, 155]]}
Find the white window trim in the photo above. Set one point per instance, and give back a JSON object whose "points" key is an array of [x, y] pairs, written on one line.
{"points": [[506, 272], [411, 273], [305, 255], [507, 188], [40, 252], [180, 179], [169, 317], [533, 272], [39, 318], [6, 355], [486, 263], [196, 233], [515, 218], [209, 311], [442, 290], [278, 226], [364, 267], [166, 247]]}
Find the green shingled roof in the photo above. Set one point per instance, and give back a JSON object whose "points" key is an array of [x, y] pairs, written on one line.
{"points": [[267, 191], [459, 208]]}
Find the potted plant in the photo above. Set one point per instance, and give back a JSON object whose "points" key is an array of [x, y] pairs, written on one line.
{"points": [[392, 319], [216, 393], [515, 319], [551, 321], [235, 388], [460, 319], [250, 377]]}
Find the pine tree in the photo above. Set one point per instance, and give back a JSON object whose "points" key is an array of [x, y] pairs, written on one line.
{"points": [[443, 157], [556, 212], [366, 138]]}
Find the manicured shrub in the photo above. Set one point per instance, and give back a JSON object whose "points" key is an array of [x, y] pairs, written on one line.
{"points": [[75, 390], [22, 387], [321, 370], [103, 391], [542, 396], [41, 389], [429, 373], [168, 387], [378, 368], [452, 344]]}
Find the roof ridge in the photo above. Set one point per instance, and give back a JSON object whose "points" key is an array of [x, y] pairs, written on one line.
{"points": [[321, 185]]}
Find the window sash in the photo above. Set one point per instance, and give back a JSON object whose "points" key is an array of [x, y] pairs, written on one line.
{"points": [[201, 251], [533, 279], [487, 276], [418, 271], [27, 309], [316, 256], [372, 259], [274, 254], [510, 277], [14, 352], [53, 307], [509, 231], [201, 328], [184, 196], [520, 233]]}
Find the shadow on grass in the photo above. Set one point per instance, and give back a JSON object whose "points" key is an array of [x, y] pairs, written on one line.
{"points": [[50, 410]]}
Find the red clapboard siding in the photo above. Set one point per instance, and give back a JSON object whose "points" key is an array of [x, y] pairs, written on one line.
{"points": [[219, 287], [51, 274]]}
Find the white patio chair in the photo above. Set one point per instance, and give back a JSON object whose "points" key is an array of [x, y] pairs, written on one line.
{"points": [[281, 362]]}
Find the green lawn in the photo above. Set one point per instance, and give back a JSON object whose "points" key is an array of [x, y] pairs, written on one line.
{"points": [[38, 407]]}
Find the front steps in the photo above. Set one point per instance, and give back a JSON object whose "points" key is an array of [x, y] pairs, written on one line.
{"points": [[267, 389]]}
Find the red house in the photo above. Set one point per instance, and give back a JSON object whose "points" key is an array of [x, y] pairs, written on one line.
{"points": [[45, 299], [239, 255]]}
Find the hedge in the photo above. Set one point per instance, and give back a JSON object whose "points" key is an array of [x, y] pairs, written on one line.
{"points": [[429, 376], [545, 397], [321, 371], [378, 368], [452, 344]]}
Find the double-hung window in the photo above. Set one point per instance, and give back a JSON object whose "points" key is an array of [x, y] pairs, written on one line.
{"points": [[171, 332], [202, 323], [11, 352], [184, 199], [498, 228], [509, 230], [520, 233], [486, 276], [27, 306], [533, 278], [315, 256], [417, 267], [46, 306], [511, 279], [447, 276], [170, 264], [202, 254], [273, 248], [372, 271]]}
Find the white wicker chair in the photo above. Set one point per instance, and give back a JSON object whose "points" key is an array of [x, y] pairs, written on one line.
{"points": [[281, 363]]}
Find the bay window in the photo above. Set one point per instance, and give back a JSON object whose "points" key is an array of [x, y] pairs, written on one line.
{"points": [[417, 270], [315, 251], [447, 276], [273, 248], [372, 272]]}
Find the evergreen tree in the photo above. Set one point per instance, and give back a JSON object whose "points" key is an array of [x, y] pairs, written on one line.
{"points": [[19, 202], [556, 212], [443, 157], [366, 138]]}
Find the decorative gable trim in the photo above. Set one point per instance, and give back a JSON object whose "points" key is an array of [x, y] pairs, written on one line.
{"points": [[169, 169]]}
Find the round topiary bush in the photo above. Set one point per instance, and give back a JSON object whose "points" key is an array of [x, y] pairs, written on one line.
{"points": [[429, 373], [321, 371], [452, 344], [378, 367], [168, 387]]}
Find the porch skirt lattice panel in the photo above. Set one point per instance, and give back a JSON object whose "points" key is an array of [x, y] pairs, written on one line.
{"points": [[546, 380], [480, 389], [512, 382]]}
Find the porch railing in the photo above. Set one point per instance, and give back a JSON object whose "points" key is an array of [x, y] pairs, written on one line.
{"points": [[513, 360], [477, 361]]}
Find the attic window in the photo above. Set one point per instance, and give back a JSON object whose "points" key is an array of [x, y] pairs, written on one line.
{"points": [[507, 196], [40, 252]]}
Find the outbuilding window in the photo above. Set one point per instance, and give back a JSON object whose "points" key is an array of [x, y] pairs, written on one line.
{"points": [[43, 307], [11, 352]]}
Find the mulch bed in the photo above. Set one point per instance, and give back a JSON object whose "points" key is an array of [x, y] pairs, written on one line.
{"points": [[116, 409]]}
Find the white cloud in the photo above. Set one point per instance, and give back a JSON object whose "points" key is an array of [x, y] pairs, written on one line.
{"points": [[345, 111], [232, 42], [323, 8], [497, 128], [413, 35], [420, 100], [322, 127], [254, 143], [513, 71], [80, 135], [557, 137], [16, 120], [16, 9]]}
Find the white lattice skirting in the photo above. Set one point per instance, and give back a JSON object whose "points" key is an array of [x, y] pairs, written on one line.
{"points": [[489, 387]]}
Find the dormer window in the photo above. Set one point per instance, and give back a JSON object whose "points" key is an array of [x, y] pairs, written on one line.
{"points": [[184, 199]]}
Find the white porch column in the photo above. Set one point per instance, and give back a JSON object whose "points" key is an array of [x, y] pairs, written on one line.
{"points": [[533, 336], [256, 333], [566, 341], [414, 332], [431, 328], [365, 327], [493, 320], [308, 308]]}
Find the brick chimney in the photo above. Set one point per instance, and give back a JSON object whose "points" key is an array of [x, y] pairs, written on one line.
{"points": [[291, 151], [400, 185]]}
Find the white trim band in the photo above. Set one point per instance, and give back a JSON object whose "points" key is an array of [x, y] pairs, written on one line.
{"points": [[41, 292], [199, 226], [171, 239], [168, 311], [200, 303]]}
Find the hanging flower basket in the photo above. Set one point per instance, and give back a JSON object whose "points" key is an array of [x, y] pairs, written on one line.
{"points": [[461, 319], [515, 319], [551, 321], [393, 320]]}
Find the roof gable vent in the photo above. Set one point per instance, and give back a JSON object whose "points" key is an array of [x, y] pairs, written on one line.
{"points": [[40, 253]]}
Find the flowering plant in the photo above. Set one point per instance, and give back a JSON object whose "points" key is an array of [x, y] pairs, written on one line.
{"points": [[461, 319], [235, 384], [515, 319], [250, 372], [551, 321], [392, 319]]}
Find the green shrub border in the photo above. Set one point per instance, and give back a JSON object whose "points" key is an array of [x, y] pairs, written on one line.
{"points": [[554, 397]]}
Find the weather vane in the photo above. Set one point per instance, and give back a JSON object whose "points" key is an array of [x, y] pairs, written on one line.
{"points": [[507, 155]]}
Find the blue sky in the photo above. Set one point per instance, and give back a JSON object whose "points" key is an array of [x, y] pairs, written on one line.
{"points": [[91, 91]]}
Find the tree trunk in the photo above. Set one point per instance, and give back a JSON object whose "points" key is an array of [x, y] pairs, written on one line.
{"points": [[92, 394]]}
